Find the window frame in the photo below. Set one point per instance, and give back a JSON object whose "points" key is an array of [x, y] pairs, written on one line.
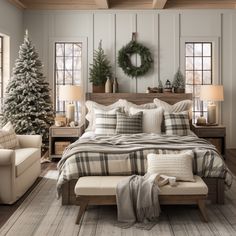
{"points": [[215, 61], [84, 70]]}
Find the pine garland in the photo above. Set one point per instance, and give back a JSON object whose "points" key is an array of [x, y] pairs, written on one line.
{"points": [[125, 63], [27, 103]]}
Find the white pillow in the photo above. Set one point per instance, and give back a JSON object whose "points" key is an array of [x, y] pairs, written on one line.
{"points": [[8, 138], [127, 105], [176, 165], [185, 105], [105, 121], [152, 119], [90, 116]]}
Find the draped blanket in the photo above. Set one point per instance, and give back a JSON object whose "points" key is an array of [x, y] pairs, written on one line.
{"points": [[126, 155]]}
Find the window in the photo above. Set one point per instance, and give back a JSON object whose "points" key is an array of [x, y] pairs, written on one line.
{"points": [[1, 67], [68, 61], [198, 71]]}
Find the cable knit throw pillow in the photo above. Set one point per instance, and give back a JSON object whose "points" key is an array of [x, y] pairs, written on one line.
{"points": [[177, 123], [152, 119], [105, 121], [177, 165], [8, 137], [129, 124]]}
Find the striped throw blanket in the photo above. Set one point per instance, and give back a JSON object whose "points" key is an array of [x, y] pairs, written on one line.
{"points": [[126, 155]]}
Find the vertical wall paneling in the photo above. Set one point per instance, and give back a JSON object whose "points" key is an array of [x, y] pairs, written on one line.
{"points": [[148, 37], [177, 41], [125, 25], [167, 46]]}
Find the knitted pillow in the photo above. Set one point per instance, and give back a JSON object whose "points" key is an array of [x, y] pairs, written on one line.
{"points": [[177, 165], [177, 123], [129, 124], [152, 119], [8, 137], [105, 121]]}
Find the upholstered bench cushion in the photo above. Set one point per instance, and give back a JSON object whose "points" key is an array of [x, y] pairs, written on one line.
{"points": [[24, 158], [106, 185]]}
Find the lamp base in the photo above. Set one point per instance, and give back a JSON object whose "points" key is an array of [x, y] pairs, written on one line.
{"points": [[211, 113], [70, 113]]}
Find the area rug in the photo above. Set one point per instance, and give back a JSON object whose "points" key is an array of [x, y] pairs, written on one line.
{"points": [[41, 214]]}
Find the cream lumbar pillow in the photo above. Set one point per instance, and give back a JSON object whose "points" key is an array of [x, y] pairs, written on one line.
{"points": [[176, 165], [8, 138], [152, 119]]}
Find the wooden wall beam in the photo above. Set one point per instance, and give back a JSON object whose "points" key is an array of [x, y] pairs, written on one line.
{"points": [[102, 4], [158, 4], [18, 4]]}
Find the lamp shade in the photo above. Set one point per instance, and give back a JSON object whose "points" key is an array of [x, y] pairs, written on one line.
{"points": [[70, 92], [212, 93]]}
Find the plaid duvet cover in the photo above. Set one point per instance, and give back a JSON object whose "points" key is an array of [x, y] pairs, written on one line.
{"points": [[126, 155]]}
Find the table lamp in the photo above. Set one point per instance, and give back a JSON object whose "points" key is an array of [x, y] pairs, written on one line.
{"points": [[211, 93], [70, 93]]}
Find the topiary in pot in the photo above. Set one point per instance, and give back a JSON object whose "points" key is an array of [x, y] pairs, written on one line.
{"points": [[179, 82], [100, 70]]}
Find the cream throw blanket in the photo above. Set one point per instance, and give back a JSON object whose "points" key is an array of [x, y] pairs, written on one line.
{"points": [[137, 200]]}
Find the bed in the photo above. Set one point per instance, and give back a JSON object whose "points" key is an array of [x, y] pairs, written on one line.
{"points": [[133, 148]]}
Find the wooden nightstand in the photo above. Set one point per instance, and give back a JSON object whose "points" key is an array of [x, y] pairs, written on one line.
{"points": [[214, 134], [60, 137]]}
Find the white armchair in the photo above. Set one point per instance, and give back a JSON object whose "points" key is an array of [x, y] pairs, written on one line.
{"points": [[19, 168]]}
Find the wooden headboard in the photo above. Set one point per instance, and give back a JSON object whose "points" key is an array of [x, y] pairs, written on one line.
{"points": [[137, 98]]}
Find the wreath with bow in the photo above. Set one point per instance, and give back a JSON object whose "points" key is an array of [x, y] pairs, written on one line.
{"points": [[124, 59]]}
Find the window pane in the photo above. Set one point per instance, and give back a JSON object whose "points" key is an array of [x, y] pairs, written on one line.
{"points": [[197, 49], [189, 49], [197, 77], [77, 50], [60, 49], [68, 77], [207, 77], [68, 49], [77, 77], [197, 89], [189, 77], [206, 63], [207, 49], [59, 77], [77, 63], [68, 63], [189, 63], [198, 63], [60, 63]]}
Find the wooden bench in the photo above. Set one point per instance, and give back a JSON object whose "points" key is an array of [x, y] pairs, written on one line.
{"points": [[101, 190]]}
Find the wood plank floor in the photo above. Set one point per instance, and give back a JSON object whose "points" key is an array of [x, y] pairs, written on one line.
{"points": [[97, 220]]}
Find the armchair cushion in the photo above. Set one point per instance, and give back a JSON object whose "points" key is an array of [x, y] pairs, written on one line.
{"points": [[29, 141], [25, 157]]}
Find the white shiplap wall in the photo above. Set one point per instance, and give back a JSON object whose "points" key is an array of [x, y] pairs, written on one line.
{"points": [[162, 31]]}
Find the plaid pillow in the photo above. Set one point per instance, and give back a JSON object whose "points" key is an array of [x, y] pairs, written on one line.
{"points": [[177, 123], [105, 121], [129, 124]]}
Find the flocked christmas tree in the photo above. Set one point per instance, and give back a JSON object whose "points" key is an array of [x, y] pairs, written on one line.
{"points": [[27, 103], [100, 70], [179, 80]]}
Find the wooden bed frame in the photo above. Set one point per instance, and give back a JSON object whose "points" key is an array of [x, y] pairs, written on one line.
{"points": [[215, 185]]}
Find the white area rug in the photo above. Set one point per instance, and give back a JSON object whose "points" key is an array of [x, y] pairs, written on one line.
{"points": [[41, 214]]}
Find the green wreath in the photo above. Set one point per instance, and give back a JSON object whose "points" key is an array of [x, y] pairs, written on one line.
{"points": [[125, 63]]}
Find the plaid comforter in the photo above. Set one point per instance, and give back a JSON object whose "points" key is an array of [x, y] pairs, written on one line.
{"points": [[126, 155]]}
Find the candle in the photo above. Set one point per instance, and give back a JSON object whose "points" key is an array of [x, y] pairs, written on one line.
{"points": [[211, 113], [70, 112]]}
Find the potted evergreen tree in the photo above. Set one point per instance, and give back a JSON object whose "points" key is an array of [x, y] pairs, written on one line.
{"points": [[179, 82], [100, 70]]}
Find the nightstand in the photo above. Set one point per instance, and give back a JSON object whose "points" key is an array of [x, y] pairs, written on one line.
{"points": [[214, 134], [61, 137]]}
